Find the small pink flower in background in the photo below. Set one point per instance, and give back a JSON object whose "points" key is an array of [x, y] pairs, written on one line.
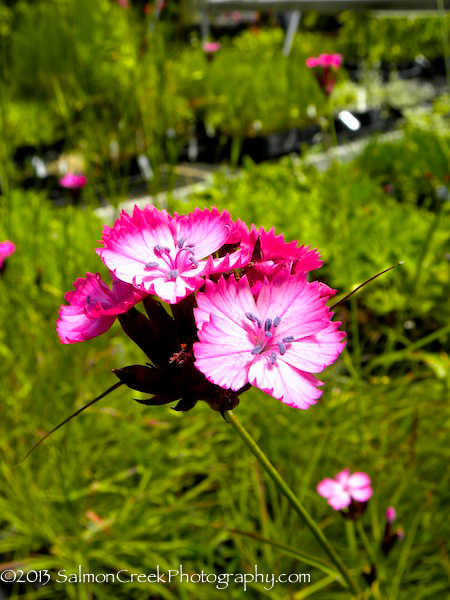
{"points": [[326, 65], [344, 488], [123, 3], [211, 47], [72, 181], [275, 342], [6, 249], [391, 514], [164, 255], [93, 307], [324, 60]]}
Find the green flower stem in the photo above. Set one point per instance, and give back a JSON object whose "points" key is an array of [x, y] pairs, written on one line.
{"points": [[288, 493], [366, 543]]}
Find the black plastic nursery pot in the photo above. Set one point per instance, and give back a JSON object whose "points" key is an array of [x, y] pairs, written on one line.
{"points": [[370, 121]]}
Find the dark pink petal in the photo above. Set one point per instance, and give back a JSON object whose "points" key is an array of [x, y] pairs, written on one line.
{"points": [[93, 287], [243, 237], [93, 307], [324, 290], [75, 326], [274, 247]]}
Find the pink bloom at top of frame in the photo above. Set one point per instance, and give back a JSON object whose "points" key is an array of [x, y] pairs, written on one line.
{"points": [[324, 61], [391, 514], [93, 307], [123, 3], [274, 342], [165, 255], [72, 181], [211, 47], [344, 488], [6, 249]]}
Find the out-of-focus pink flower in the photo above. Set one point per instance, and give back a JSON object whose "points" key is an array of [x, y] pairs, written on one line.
{"points": [[72, 181], [275, 342], [344, 488], [324, 60], [123, 3], [93, 307], [211, 47], [326, 75], [164, 255], [391, 515], [6, 249]]}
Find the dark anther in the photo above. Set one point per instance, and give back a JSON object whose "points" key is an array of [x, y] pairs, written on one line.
{"points": [[282, 348]]}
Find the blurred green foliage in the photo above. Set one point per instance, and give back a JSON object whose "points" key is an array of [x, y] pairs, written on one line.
{"points": [[390, 39]]}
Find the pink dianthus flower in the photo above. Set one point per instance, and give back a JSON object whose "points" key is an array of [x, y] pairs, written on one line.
{"points": [[344, 488], [6, 249], [168, 256], [72, 181], [324, 60], [93, 307], [326, 64], [211, 47], [275, 341]]}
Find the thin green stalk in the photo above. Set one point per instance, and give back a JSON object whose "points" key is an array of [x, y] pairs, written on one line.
{"points": [[293, 501], [351, 539], [366, 543]]}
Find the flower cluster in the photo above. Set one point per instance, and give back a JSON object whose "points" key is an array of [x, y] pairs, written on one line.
{"points": [[326, 66], [242, 311]]}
